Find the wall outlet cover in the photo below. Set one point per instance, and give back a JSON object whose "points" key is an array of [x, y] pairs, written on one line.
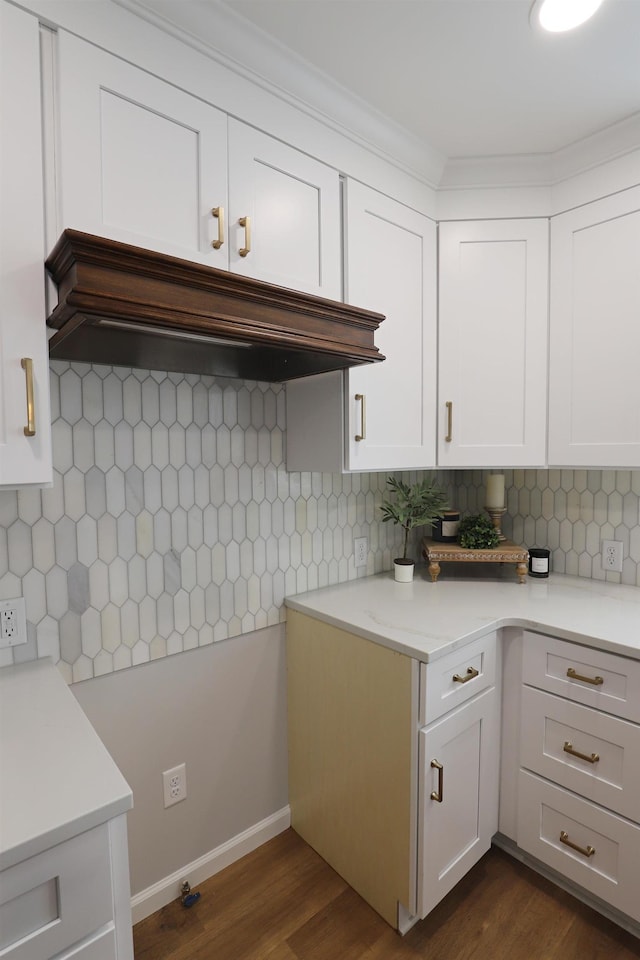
{"points": [[13, 622]]}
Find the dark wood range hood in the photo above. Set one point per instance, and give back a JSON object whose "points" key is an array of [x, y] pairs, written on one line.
{"points": [[123, 305]]}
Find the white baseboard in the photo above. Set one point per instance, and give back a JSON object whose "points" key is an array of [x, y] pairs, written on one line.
{"points": [[146, 902]]}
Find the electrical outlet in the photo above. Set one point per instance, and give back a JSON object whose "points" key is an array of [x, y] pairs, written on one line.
{"points": [[360, 550], [174, 783], [612, 555], [13, 622]]}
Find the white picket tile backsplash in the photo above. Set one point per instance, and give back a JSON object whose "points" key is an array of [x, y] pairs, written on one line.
{"points": [[172, 522]]}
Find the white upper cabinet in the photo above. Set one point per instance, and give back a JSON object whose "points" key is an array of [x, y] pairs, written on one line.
{"points": [[146, 163], [140, 161], [493, 304], [25, 423], [377, 416], [284, 214], [594, 401]]}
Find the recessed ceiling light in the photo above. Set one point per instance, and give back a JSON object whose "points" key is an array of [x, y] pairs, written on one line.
{"points": [[560, 15]]}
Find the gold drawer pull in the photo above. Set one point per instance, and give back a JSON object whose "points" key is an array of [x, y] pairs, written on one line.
{"points": [[596, 681], [246, 223], [469, 675], [568, 748], [363, 417], [218, 213], [438, 794], [27, 365], [585, 851]]}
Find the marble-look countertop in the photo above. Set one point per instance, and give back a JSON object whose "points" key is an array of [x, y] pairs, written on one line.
{"points": [[427, 620], [57, 777]]}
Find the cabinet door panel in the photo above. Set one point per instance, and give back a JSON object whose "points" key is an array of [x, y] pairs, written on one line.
{"points": [[141, 161], [293, 203], [453, 834], [595, 335], [390, 267], [493, 342], [23, 459]]}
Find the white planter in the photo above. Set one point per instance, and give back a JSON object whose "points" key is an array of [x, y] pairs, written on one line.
{"points": [[403, 570]]}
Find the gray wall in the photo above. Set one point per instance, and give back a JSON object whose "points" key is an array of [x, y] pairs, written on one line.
{"points": [[221, 710]]}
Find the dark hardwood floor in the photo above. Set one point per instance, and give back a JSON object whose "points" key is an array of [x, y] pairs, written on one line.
{"points": [[282, 902]]}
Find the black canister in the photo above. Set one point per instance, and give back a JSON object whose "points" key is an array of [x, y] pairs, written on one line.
{"points": [[445, 528], [539, 562]]}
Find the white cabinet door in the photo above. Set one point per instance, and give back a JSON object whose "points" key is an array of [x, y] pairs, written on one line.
{"points": [[458, 796], [594, 403], [23, 459], [140, 160], [390, 267], [289, 205], [492, 343]]}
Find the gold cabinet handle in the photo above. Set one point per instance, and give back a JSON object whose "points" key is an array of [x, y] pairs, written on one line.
{"points": [[596, 681], [218, 213], [449, 436], [469, 675], [438, 794], [363, 417], [568, 748], [30, 429], [246, 223], [587, 851]]}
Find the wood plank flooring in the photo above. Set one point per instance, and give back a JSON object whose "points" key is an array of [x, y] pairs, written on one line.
{"points": [[283, 902]]}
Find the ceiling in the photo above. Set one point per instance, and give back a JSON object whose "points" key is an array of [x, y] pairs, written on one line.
{"points": [[470, 78]]}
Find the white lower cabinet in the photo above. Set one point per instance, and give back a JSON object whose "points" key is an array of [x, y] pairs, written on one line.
{"points": [[459, 760], [579, 779], [61, 902], [361, 779]]}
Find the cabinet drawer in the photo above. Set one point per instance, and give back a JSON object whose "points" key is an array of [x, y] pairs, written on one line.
{"points": [[593, 677], [56, 898], [553, 731], [457, 677], [606, 860]]}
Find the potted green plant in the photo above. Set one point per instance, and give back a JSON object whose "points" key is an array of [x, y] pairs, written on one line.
{"points": [[411, 505], [477, 532]]}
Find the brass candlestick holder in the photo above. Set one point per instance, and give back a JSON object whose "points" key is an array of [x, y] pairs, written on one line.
{"points": [[496, 518]]}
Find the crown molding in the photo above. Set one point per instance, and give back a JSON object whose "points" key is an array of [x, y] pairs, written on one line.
{"points": [[544, 170], [223, 35]]}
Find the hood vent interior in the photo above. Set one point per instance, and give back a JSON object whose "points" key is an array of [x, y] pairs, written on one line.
{"points": [[127, 306]]}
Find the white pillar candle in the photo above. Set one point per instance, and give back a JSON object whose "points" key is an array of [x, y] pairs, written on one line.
{"points": [[495, 490]]}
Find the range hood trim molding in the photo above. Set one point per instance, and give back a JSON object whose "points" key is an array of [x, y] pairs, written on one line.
{"points": [[114, 300]]}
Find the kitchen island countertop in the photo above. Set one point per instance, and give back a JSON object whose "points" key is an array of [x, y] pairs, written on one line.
{"points": [[428, 620]]}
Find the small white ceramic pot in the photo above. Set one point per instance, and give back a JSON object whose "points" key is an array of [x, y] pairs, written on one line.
{"points": [[403, 570]]}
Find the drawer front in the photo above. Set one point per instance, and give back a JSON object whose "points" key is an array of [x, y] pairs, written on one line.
{"points": [[56, 898], [591, 753], [604, 858], [457, 677], [593, 677]]}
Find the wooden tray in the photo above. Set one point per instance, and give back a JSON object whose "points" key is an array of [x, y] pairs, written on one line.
{"points": [[506, 552]]}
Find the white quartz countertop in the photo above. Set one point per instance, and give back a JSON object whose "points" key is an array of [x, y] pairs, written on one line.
{"points": [[57, 777], [427, 620]]}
